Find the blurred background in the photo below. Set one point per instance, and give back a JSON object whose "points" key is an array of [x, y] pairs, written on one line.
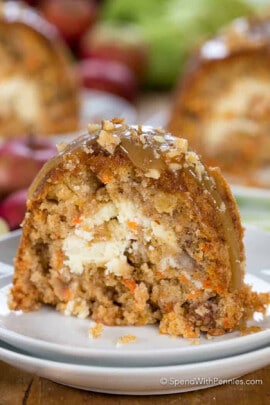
{"points": [[128, 58]]}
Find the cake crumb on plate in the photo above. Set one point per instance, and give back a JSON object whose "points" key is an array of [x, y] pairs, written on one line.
{"points": [[126, 339], [195, 342], [249, 330], [95, 331]]}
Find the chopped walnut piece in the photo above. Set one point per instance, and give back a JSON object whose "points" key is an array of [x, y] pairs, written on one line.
{"points": [[61, 146], [107, 125], [192, 159], [95, 331], [108, 141], [222, 207], [88, 149], [181, 144], [171, 154], [153, 173], [159, 139], [160, 130], [126, 339], [134, 135], [118, 120], [93, 128], [175, 166], [142, 139]]}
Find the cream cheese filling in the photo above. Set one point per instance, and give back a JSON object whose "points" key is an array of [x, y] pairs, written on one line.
{"points": [[82, 248]]}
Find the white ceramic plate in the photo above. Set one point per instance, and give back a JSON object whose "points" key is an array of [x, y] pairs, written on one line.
{"points": [[51, 335], [139, 381]]}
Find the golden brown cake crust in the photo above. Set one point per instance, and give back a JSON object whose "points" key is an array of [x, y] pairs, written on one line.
{"points": [[38, 86], [127, 226], [238, 56]]}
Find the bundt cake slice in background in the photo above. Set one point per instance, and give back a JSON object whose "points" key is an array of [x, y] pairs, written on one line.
{"points": [[222, 104], [127, 226], [38, 89]]}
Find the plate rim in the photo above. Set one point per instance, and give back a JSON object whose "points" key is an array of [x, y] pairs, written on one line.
{"points": [[143, 380], [141, 369]]}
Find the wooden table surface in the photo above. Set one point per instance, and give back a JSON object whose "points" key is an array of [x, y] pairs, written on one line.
{"points": [[20, 388]]}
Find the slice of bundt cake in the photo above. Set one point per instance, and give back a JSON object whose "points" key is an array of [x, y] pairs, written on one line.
{"points": [[127, 226], [38, 90], [223, 102]]}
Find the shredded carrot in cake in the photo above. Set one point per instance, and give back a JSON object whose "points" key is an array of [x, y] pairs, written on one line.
{"points": [[207, 284], [133, 225], [183, 278], [159, 275], [130, 284], [76, 221], [168, 307], [219, 289], [58, 261], [226, 323], [106, 177], [67, 294], [194, 294]]}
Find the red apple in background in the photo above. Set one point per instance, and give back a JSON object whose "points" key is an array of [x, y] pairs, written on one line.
{"points": [[21, 160], [13, 207], [71, 17], [32, 3], [110, 76], [124, 44]]}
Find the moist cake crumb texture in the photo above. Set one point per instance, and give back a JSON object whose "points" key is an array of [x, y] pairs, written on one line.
{"points": [[128, 227]]}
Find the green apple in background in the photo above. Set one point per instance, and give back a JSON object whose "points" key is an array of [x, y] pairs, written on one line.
{"points": [[172, 28]]}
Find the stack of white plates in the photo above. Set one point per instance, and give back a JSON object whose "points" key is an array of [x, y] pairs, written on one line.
{"points": [[59, 348]]}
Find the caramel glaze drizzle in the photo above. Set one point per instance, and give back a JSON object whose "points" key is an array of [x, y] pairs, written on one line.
{"points": [[227, 225], [151, 155]]}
